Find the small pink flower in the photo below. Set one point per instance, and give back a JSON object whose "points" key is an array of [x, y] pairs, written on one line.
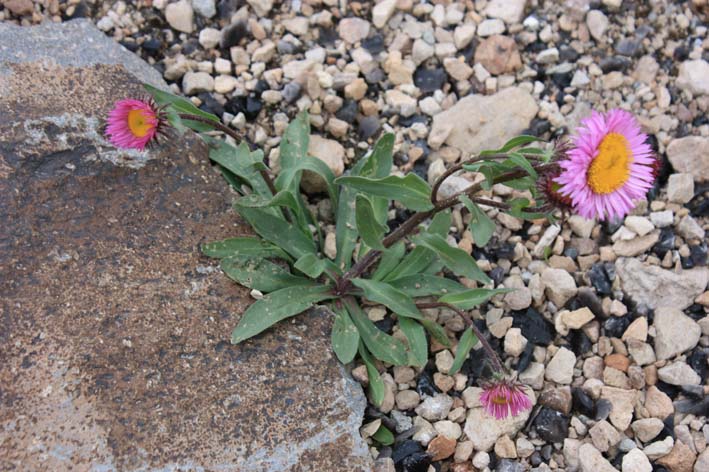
{"points": [[502, 397], [133, 123], [609, 166]]}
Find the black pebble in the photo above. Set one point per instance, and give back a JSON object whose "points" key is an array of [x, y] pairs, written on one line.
{"points": [[603, 409], [568, 54], [587, 298], [368, 127], [525, 358], [374, 44], [131, 45], [582, 402], [546, 452], [562, 79], [536, 459], [374, 76], [418, 462], [666, 242], [497, 274], [551, 425], [614, 63], [233, 34], [190, 46], [386, 325], [571, 252], [80, 11], [580, 342], [291, 92], [327, 36], [405, 449], [697, 360], [628, 47], [425, 385], [534, 327], [600, 280], [210, 105], [348, 111], [538, 127], [615, 326], [698, 254], [430, 80], [152, 47]]}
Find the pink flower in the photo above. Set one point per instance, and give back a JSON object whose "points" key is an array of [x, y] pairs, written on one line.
{"points": [[609, 166], [133, 123], [502, 397]]}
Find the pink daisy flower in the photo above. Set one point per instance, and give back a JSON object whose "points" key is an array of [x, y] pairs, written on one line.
{"points": [[502, 397], [133, 123], [609, 166]]}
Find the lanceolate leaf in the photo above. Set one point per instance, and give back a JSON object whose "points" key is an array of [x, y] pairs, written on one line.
{"points": [[481, 226], [278, 231], [457, 260], [294, 143], [424, 285], [519, 160], [379, 163], [376, 385], [412, 191], [244, 246], [346, 229], [239, 161], [288, 176], [313, 266], [391, 257], [396, 300], [370, 230], [511, 144], [472, 298], [181, 105], [383, 436], [345, 337], [277, 306], [381, 345], [466, 343], [436, 331], [261, 274], [416, 336]]}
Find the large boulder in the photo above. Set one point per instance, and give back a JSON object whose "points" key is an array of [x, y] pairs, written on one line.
{"points": [[114, 329]]}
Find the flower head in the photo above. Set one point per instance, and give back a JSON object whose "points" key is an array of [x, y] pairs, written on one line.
{"points": [[609, 166], [134, 123], [503, 397]]}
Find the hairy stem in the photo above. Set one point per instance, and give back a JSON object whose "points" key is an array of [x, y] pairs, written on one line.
{"points": [[494, 358], [237, 137]]}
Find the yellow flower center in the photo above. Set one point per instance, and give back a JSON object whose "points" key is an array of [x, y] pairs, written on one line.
{"points": [[611, 167], [499, 400], [139, 123]]}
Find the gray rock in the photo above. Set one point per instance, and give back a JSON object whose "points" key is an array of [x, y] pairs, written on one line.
{"points": [[647, 429], [662, 219], [676, 332], [591, 460], [130, 312], [702, 463], [205, 8], [435, 408], [678, 373], [353, 29], [680, 188], [180, 16], [561, 367], [261, 7], [597, 23], [689, 229], [560, 286], [694, 77], [657, 287], [636, 246], [196, 82], [690, 155], [469, 126], [659, 448], [510, 11], [636, 461]]}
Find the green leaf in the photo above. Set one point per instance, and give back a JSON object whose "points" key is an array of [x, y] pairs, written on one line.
{"points": [[376, 385], [294, 142], [511, 144], [521, 161], [370, 230], [381, 345], [277, 306], [313, 266], [259, 273], [346, 227], [344, 336], [412, 191], [289, 176], [436, 331], [239, 161], [181, 105], [440, 224], [278, 231], [416, 336], [243, 246], [471, 298], [391, 257], [481, 226], [424, 285], [383, 436], [282, 198], [518, 208], [457, 260], [396, 300], [466, 343], [378, 164]]}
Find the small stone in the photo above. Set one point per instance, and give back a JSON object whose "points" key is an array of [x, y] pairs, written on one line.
{"points": [[533, 375], [559, 399], [407, 400], [637, 330], [196, 82], [510, 11], [424, 431], [580, 79], [205, 8], [694, 77], [463, 35], [662, 219], [225, 84], [353, 30], [679, 373], [514, 342], [702, 463], [261, 7], [209, 38], [331, 153], [481, 460], [505, 448], [680, 459], [330, 249], [636, 246], [676, 333], [604, 436], [560, 286], [597, 23], [566, 320], [658, 404], [689, 229], [591, 460], [463, 451], [548, 56], [441, 448], [498, 54], [659, 448], [401, 103], [490, 27], [444, 361], [636, 461], [435, 408], [690, 155], [623, 405], [297, 25], [180, 16], [382, 11], [639, 225], [647, 429], [680, 188], [448, 429], [561, 367]]}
